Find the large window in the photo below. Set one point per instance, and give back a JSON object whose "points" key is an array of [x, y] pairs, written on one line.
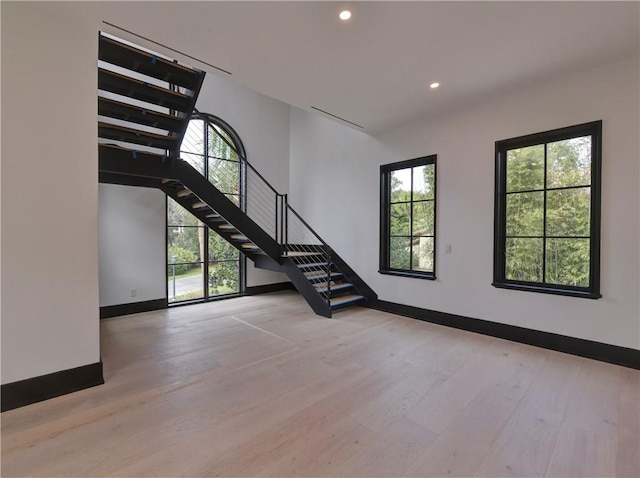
{"points": [[547, 216], [408, 218], [201, 264]]}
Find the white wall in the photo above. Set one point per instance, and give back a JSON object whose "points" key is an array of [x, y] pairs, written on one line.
{"points": [[131, 232], [263, 125], [49, 190], [323, 151]]}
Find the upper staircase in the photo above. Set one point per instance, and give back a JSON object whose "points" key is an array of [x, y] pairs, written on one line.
{"points": [[145, 103]]}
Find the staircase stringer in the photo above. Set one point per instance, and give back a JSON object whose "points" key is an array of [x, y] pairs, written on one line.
{"points": [[217, 201]]}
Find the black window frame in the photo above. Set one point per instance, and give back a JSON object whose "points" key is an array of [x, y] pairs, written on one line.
{"points": [[205, 262], [385, 210], [592, 291]]}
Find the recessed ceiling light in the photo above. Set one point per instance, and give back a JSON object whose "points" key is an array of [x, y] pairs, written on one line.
{"points": [[434, 85], [345, 15]]}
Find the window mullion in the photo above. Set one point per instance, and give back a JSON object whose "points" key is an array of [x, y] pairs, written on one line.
{"points": [[205, 268], [411, 222], [544, 220], [388, 199]]}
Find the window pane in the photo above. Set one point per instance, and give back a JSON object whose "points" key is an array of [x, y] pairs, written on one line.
{"points": [[401, 185], [193, 141], [422, 254], [221, 250], [224, 278], [399, 252], [567, 262], [179, 216], [218, 147], [525, 168], [569, 212], [185, 244], [524, 260], [400, 219], [195, 160], [185, 282], [525, 214], [423, 218], [424, 182], [569, 162], [224, 175]]}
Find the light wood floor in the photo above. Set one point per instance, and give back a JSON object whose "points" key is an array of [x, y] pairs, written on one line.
{"points": [[259, 386]]}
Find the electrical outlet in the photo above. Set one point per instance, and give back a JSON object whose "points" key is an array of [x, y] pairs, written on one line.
{"points": [[447, 249], [134, 292]]}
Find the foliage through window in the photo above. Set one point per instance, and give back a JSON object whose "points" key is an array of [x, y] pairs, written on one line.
{"points": [[547, 224], [408, 218], [201, 264]]}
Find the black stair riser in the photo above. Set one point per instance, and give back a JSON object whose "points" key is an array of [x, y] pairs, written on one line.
{"points": [[125, 56], [346, 305], [138, 115], [125, 86], [336, 292]]}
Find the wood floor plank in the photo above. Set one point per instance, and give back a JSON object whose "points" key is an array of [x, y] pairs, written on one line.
{"points": [[525, 446], [391, 452], [463, 444], [260, 386], [628, 457], [587, 443]]}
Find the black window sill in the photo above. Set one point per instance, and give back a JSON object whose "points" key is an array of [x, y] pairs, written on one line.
{"points": [[410, 274], [548, 290]]}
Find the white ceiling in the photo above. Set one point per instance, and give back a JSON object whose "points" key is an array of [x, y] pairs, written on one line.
{"points": [[375, 69]]}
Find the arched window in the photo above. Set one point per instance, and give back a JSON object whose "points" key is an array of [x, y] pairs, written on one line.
{"points": [[201, 264]]}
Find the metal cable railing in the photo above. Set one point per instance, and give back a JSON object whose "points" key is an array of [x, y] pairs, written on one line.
{"points": [[307, 249]]}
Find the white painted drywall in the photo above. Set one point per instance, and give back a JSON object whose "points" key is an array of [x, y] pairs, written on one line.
{"points": [[263, 125], [131, 240], [49, 189], [324, 152]]}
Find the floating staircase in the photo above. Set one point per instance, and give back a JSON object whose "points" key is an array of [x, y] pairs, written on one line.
{"points": [[145, 103]]}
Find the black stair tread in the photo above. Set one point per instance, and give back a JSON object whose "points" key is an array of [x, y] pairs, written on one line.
{"points": [[321, 273], [321, 277], [301, 254], [185, 192], [346, 299], [239, 237], [140, 90], [312, 264], [131, 58], [250, 247], [132, 152], [131, 135], [199, 205], [136, 114], [227, 227], [323, 287]]}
